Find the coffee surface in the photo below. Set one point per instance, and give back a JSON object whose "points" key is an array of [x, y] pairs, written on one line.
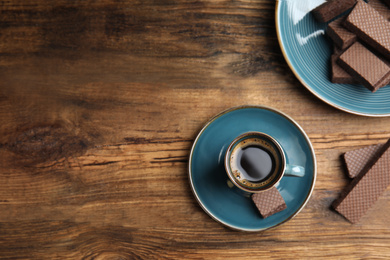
{"points": [[255, 163]]}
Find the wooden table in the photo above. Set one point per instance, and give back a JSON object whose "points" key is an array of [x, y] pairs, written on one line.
{"points": [[100, 102]]}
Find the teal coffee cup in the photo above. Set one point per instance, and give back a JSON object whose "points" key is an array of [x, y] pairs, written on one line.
{"points": [[256, 162]]}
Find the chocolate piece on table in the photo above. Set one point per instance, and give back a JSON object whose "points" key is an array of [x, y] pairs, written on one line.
{"points": [[332, 8], [339, 75], [364, 190], [370, 27], [355, 160], [340, 36], [381, 8], [269, 202], [365, 67]]}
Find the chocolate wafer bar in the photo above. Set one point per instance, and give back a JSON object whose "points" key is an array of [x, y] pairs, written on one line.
{"points": [[365, 67], [370, 27], [365, 189], [340, 36], [269, 202], [339, 75], [381, 8], [355, 160], [332, 8]]}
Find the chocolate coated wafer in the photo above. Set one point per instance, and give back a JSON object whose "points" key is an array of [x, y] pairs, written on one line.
{"points": [[365, 67], [339, 75], [370, 27], [355, 160], [269, 202], [365, 189], [340, 36]]}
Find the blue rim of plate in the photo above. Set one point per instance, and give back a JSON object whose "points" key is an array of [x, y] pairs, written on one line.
{"points": [[284, 185], [307, 53]]}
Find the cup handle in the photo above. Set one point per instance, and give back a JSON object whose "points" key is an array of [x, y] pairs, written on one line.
{"points": [[294, 170]]}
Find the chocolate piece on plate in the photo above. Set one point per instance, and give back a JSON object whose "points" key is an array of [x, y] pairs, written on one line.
{"points": [[381, 8], [269, 202], [364, 190], [332, 8], [340, 36], [355, 160], [365, 67], [370, 27], [339, 75]]}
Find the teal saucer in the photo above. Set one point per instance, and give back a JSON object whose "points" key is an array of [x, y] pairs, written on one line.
{"points": [[208, 177]]}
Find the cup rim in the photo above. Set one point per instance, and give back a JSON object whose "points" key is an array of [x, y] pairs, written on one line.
{"points": [[230, 173]]}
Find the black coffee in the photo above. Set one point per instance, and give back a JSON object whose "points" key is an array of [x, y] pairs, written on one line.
{"points": [[255, 163]]}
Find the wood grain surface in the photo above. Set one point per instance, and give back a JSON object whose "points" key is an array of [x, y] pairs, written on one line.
{"points": [[100, 102]]}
